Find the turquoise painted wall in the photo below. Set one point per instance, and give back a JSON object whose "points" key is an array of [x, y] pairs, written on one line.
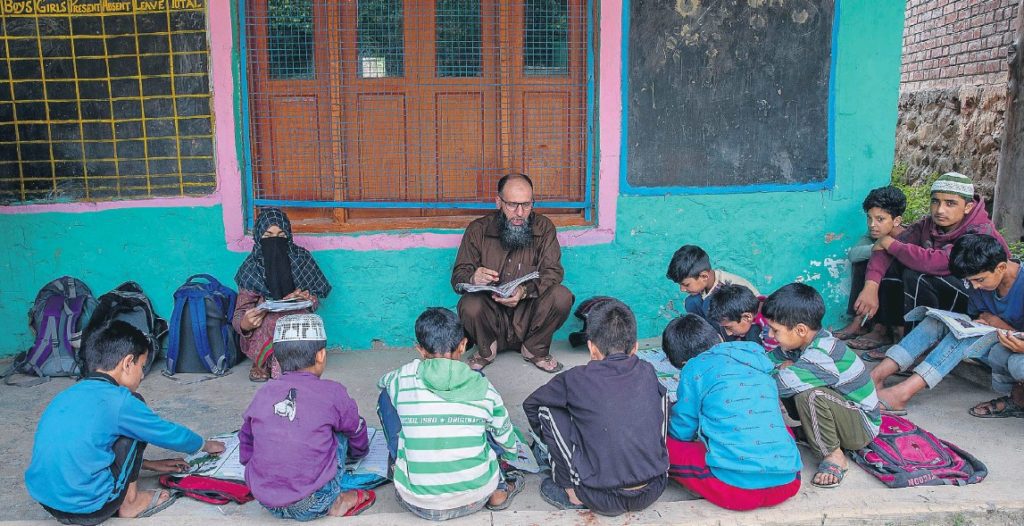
{"points": [[770, 238]]}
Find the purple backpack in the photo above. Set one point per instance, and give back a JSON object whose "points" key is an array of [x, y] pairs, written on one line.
{"points": [[903, 455], [60, 312]]}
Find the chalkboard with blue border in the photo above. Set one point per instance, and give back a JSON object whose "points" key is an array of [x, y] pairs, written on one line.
{"points": [[728, 95]]}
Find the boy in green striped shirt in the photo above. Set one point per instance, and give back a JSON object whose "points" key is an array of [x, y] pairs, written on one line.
{"points": [[444, 423], [832, 390]]}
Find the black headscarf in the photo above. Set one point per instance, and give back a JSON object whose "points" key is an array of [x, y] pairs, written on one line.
{"points": [[305, 273]]}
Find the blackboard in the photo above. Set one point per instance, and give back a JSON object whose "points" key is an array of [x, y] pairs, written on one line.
{"points": [[728, 93], [104, 99]]}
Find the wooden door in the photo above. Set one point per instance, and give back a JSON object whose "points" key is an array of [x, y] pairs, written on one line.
{"points": [[289, 104], [426, 101]]}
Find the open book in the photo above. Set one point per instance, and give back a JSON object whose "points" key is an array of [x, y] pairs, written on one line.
{"points": [[504, 290], [668, 375], [961, 325], [285, 305], [227, 465]]}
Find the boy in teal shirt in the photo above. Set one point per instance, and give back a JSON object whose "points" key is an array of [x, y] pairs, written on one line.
{"points": [[88, 446], [736, 467]]}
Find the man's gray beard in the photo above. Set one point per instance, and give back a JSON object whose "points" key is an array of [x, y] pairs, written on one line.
{"points": [[512, 236]]}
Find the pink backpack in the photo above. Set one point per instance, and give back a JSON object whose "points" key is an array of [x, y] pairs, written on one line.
{"points": [[208, 490], [904, 455]]}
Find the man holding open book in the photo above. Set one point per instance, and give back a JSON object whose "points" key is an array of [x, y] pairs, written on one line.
{"points": [[500, 248]]}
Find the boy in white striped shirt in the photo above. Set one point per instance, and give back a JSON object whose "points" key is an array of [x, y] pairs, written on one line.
{"points": [[444, 423]]}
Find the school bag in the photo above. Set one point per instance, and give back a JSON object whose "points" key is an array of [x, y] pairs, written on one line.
{"points": [[201, 338], [58, 314], [903, 455], [130, 304], [207, 489]]}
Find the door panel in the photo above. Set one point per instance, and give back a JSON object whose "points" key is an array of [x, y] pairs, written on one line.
{"points": [[419, 100]]}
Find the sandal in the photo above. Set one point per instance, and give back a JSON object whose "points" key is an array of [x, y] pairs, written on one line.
{"points": [[830, 468], [477, 363], [1002, 407], [866, 342], [155, 506], [366, 500], [258, 374], [874, 355], [887, 409], [843, 334], [515, 482], [547, 364], [556, 496]]}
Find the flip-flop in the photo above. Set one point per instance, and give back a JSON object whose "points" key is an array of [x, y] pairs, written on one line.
{"points": [[865, 343], [155, 506], [556, 496], [846, 335], [364, 503], [544, 364], [477, 363], [518, 482], [1010, 409], [874, 355], [258, 374], [888, 410], [830, 468]]}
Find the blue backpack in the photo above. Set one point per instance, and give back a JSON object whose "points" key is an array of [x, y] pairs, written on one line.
{"points": [[59, 313], [202, 339]]}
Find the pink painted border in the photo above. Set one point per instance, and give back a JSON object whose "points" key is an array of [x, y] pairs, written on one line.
{"points": [[229, 176]]}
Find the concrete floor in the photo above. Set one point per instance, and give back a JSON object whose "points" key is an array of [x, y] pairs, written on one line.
{"points": [[215, 406]]}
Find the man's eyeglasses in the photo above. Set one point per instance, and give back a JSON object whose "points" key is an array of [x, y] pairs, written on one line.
{"points": [[512, 206]]}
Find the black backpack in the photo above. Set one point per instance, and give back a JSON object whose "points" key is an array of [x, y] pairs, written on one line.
{"points": [[128, 303], [579, 338], [202, 339]]}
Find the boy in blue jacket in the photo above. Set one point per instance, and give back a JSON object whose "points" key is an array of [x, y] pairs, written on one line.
{"points": [[89, 443], [740, 468]]}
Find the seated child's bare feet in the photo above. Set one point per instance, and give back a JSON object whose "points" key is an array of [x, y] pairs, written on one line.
{"points": [[852, 329], [136, 502], [348, 501]]}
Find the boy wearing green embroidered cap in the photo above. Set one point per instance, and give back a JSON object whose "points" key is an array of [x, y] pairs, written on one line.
{"points": [[922, 251]]}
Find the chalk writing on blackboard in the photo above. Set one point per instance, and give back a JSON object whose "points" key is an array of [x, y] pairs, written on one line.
{"points": [[94, 7]]}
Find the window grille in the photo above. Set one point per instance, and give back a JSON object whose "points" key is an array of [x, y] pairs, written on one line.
{"points": [[415, 105], [104, 100]]}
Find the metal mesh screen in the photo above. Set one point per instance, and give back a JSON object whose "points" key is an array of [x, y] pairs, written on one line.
{"points": [[104, 99], [416, 104]]}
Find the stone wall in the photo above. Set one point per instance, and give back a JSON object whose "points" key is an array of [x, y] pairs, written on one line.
{"points": [[956, 129], [953, 87]]}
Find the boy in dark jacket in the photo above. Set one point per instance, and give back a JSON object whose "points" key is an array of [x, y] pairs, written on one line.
{"points": [[922, 251], [604, 423], [88, 446]]}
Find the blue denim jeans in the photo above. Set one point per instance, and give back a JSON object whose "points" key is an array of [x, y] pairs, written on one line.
{"points": [[319, 503], [1007, 368], [946, 350]]}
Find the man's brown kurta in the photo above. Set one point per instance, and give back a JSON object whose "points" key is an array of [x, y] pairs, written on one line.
{"points": [[538, 315]]}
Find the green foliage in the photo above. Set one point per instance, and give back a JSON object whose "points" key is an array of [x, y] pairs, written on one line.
{"points": [[918, 195]]}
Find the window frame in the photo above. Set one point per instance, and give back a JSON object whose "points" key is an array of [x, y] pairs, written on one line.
{"points": [[584, 208]]}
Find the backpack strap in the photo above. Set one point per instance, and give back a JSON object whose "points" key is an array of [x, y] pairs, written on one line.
{"points": [[197, 312], [174, 341]]}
